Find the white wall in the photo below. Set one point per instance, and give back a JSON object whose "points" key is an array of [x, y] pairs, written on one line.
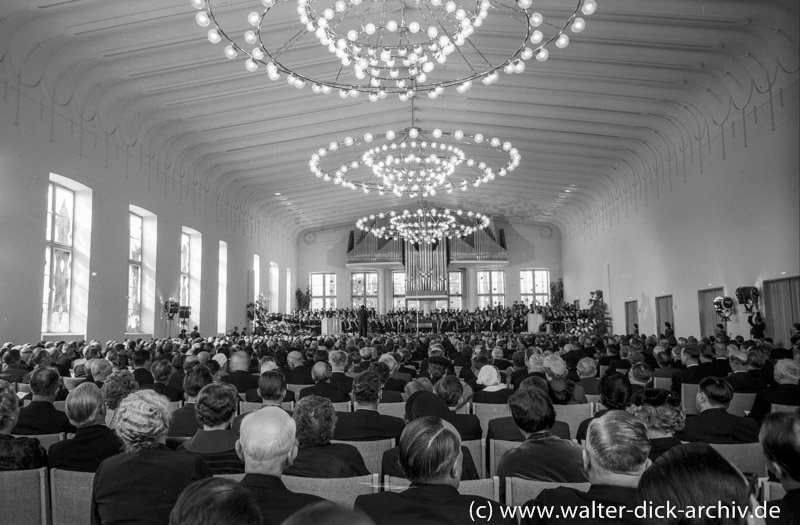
{"points": [[734, 223], [35, 141]]}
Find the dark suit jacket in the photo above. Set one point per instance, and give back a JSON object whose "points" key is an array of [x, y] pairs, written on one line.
{"points": [[332, 460], [498, 397], [691, 375], [426, 505], [184, 422], [721, 367], [505, 429], [326, 390], [716, 425], [273, 498], [15, 373], [590, 385], [166, 391], [518, 381], [365, 424], [395, 384], [143, 377], [342, 381], [301, 375], [608, 495], [242, 380], [142, 488], [468, 425], [41, 417], [84, 453], [781, 394], [746, 383], [217, 448], [252, 396], [391, 396], [390, 464]]}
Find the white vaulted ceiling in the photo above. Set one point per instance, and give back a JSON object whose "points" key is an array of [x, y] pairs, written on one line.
{"points": [[646, 82]]}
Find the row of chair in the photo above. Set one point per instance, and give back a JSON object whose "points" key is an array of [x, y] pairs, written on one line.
{"points": [[63, 497]]}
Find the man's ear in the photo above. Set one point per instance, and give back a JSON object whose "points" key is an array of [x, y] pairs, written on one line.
{"points": [[455, 468], [239, 451], [587, 460], [775, 469], [292, 455]]}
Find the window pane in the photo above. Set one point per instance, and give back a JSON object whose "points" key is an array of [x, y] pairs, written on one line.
{"points": [[184, 296], [46, 291], [372, 283], [484, 301], [441, 304], [330, 303], [317, 284], [48, 236], [62, 275], [317, 303], [357, 302], [134, 297], [135, 238], [399, 279], [526, 281], [483, 283], [64, 214], [498, 282], [184, 253], [455, 283], [542, 285], [331, 284], [455, 303], [399, 302], [372, 302], [358, 284]]}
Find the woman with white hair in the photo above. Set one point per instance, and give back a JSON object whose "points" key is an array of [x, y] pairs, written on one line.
{"points": [[142, 484], [494, 390]]}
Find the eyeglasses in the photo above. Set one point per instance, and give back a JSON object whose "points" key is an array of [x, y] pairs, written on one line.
{"points": [[657, 397]]}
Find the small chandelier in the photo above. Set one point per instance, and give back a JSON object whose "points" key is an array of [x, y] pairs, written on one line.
{"points": [[382, 47], [423, 225], [414, 162]]}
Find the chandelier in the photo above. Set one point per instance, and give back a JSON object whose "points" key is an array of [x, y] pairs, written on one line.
{"points": [[414, 162], [382, 47], [423, 225]]}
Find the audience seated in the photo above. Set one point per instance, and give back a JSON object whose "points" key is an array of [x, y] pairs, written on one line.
{"points": [[714, 424], [93, 441], [535, 369], [240, 375], [492, 389], [615, 457], [339, 378], [786, 392], [41, 416], [184, 419], [665, 365], [394, 382], [321, 374], [215, 408], [215, 501], [739, 379], [16, 453], [366, 423], [563, 391], [587, 376], [267, 446], [101, 370], [506, 429], [780, 439], [384, 373], [661, 412], [615, 394], [298, 373], [14, 369], [693, 373], [161, 371], [451, 391], [694, 475], [141, 368], [639, 375], [142, 484], [116, 388], [430, 457], [317, 457], [542, 456]]}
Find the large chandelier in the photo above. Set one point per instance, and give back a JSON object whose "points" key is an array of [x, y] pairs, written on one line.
{"points": [[424, 224], [383, 47], [414, 162]]}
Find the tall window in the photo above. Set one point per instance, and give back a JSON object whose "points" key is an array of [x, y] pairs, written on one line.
{"points": [[323, 291], [186, 266], [365, 289], [534, 287], [57, 290], [399, 289], [135, 233], [491, 288], [455, 291]]}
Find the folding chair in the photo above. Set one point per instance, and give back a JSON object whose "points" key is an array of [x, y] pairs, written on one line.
{"points": [[343, 406], [488, 488], [662, 382], [689, 398], [392, 409], [343, 491], [519, 490], [777, 407], [741, 403], [71, 496], [747, 457], [497, 448], [372, 451], [488, 411], [296, 389], [573, 415], [477, 448], [24, 497], [593, 398], [71, 382], [47, 439]]}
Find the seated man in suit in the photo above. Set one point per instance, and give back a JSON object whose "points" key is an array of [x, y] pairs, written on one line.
{"points": [[450, 389], [383, 371], [271, 391], [542, 456], [739, 379], [787, 391], [267, 445], [321, 374], [587, 376], [93, 441], [535, 369], [338, 361], [298, 373], [14, 369], [184, 420], [141, 368], [366, 423], [693, 373], [40, 416], [162, 370], [780, 439], [714, 424], [614, 459], [506, 429], [240, 375], [430, 456]]}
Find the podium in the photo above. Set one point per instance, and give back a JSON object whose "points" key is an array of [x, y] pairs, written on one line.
{"points": [[330, 325], [534, 322]]}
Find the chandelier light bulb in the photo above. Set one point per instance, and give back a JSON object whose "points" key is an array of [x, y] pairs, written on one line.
{"points": [[198, 4], [202, 19]]}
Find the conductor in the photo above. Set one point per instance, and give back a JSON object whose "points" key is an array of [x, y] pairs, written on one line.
{"points": [[363, 321]]}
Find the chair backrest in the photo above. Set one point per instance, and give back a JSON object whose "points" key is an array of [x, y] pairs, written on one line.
{"points": [[343, 406], [392, 409], [246, 406], [593, 398], [71, 382], [296, 388], [662, 382], [488, 488], [23, 387], [771, 490], [741, 403], [573, 415], [343, 491], [747, 457], [372, 451], [61, 406], [603, 369], [689, 398], [777, 407], [47, 439], [71, 496], [466, 408], [24, 497], [497, 448], [488, 411], [477, 448], [519, 490], [174, 442], [243, 396], [597, 407], [175, 405]]}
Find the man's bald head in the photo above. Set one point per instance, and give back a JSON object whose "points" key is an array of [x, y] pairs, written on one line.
{"points": [[240, 361], [321, 372], [267, 440], [294, 359]]}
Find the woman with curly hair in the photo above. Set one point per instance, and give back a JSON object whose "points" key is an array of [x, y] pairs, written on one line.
{"points": [[317, 457], [142, 484], [660, 410], [116, 388], [16, 453]]}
